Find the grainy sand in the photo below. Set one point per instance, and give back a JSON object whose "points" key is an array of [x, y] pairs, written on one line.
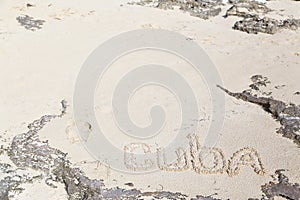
{"points": [[39, 69]]}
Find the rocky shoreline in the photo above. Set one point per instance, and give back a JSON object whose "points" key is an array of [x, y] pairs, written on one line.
{"points": [[28, 152], [253, 13]]}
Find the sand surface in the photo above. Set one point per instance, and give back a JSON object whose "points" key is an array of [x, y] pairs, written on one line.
{"points": [[40, 68]]}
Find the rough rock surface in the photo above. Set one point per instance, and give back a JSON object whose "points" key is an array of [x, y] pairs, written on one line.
{"points": [[199, 197], [30, 23], [27, 151], [246, 8], [287, 114], [280, 188], [12, 180], [255, 24], [203, 9], [252, 11]]}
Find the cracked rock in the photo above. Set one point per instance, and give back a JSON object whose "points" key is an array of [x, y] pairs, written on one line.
{"points": [[30, 23], [247, 8], [255, 24], [280, 188], [287, 114], [203, 9]]}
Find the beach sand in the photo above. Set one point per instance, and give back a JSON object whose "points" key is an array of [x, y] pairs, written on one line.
{"points": [[40, 68]]}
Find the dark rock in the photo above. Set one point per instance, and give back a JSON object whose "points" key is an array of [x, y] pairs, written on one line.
{"points": [[199, 197], [282, 188], [254, 24], [29, 5], [30, 23], [203, 9], [247, 8], [287, 114]]}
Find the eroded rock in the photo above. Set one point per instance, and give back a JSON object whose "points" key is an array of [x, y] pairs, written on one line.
{"points": [[203, 9], [13, 179], [27, 151], [253, 13], [247, 8], [30, 23], [280, 188], [199, 197], [255, 24], [287, 114]]}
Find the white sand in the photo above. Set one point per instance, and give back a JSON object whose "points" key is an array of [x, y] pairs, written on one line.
{"points": [[39, 69]]}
